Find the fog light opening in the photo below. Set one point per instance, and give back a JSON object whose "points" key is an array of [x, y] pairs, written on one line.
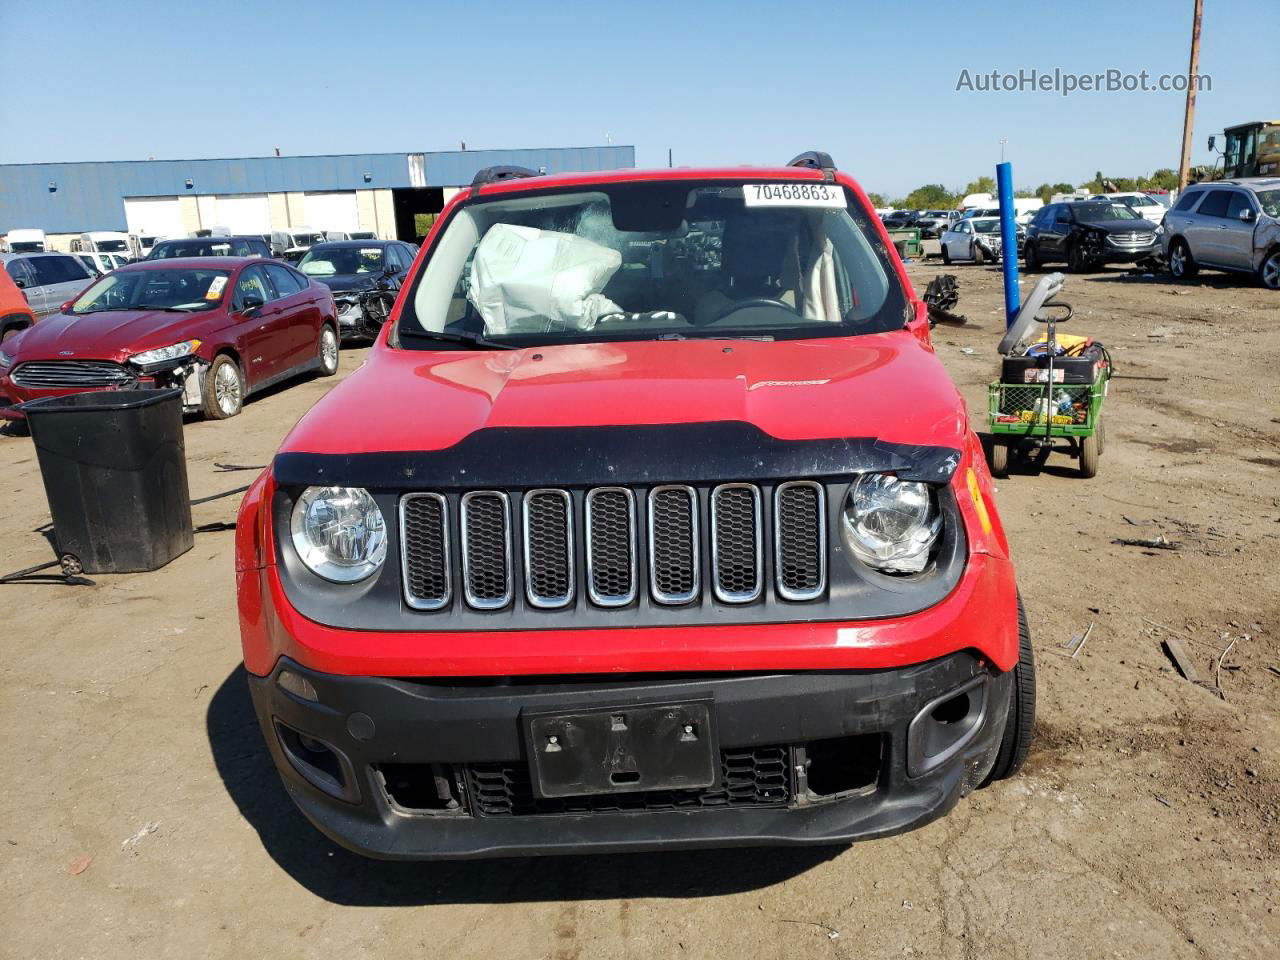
{"points": [[318, 762], [952, 711], [298, 685]]}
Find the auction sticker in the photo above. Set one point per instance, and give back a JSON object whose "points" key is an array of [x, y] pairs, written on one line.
{"points": [[215, 288], [827, 195]]}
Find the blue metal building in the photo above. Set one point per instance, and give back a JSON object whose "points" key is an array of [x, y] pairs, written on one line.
{"points": [[70, 198]]}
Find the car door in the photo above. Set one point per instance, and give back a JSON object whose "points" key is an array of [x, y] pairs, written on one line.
{"points": [[299, 314], [1202, 232], [959, 247], [64, 277], [1056, 239], [24, 277], [260, 331], [1236, 232]]}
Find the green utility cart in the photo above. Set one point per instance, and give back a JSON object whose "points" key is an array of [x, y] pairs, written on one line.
{"points": [[1046, 401]]}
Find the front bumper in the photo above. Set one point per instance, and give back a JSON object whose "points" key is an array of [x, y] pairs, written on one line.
{"points": [[1114, 253], [414, 769]]}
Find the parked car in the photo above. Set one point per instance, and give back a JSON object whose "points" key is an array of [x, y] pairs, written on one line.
{"points": [[933, 223], [293, 243], [973, 238], [101, 241], [46, 279], [1231, 225], [15, 312], [219, 329], [709, 546], [1144, 205], [100, 263], [350, 266], [209, 247], [1088, 233], [901, 219], [24, 240]]}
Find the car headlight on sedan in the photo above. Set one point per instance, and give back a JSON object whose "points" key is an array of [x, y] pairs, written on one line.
{"points": [[890, 524], [6, 361], [176, 351], [339, 533]]}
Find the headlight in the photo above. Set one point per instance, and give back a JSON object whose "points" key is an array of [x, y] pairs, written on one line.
{"points": [[890, 524], [163, 354], [6, 361], [339, 533]]}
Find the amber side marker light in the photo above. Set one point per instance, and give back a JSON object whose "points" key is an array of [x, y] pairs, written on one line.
{"points": [[978, 503]]}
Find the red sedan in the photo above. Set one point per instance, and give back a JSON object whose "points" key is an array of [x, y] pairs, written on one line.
{"points": [[219, 330]]}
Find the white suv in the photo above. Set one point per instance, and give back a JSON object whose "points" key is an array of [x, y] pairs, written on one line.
{"points": [[1231, 225]]}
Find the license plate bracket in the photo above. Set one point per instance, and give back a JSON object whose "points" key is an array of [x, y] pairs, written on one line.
{"points": [[621, 749]]}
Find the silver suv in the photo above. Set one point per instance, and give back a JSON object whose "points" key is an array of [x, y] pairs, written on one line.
{"points": [[1231, 225], [47, 279]]}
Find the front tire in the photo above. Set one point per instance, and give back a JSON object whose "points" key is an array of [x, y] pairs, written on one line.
{"points": [[223, 389], [1022, 708], [1269, 272], [1090, 449], [1077, 262], [979, 255], [329, 351], [1181, 264], [946, 255], [1029, 255]]}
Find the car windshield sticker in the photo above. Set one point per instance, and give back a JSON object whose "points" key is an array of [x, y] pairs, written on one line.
{"points": [[827, 195], [215, 288]]}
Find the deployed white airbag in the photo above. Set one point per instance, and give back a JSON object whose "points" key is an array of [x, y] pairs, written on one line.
{"points": [[528, 280]]}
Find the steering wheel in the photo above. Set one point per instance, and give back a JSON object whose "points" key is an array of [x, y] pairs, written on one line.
{"points": [[749, 303]]}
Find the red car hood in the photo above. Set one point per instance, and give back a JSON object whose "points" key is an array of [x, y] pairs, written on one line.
{"points": [[108, 335], [887, 386]]}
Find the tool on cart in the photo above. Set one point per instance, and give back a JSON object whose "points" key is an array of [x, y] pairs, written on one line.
{"points": [[1050, 389]]}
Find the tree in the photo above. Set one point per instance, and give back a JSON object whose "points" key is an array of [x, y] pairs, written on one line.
{"points": [[981, 185], [932, 196], [877, 200], [1162, 179]]}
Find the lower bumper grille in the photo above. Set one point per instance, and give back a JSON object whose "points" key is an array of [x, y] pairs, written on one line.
{"points": [[749, 777]]}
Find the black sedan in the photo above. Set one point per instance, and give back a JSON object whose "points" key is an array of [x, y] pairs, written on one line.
{"points": [[1086, 234], [351, 268]]}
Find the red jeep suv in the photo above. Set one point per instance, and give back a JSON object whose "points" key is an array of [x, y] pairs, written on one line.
{"points": [[664, 528]]}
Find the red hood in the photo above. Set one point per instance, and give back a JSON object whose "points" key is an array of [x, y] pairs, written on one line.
{"points": [[108, 335], [889, 386]]}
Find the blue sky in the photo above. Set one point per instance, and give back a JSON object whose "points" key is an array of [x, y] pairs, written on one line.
{"points": [[717, 82]]}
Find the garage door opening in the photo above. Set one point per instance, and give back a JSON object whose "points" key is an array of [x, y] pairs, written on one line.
{"points": [[416, 209]]}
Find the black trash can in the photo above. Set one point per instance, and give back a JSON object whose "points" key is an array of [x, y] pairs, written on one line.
{"points": [[115, 472]]}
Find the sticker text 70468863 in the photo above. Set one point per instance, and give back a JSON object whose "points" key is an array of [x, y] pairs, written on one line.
{"points": [[827, 195]]}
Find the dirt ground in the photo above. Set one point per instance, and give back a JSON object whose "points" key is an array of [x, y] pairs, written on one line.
{"points": [[140, 815]]}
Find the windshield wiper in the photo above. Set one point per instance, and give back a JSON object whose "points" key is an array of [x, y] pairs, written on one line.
{"points": [[473, 340], [161, 307]]}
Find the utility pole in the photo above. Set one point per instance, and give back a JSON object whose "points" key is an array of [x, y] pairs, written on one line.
{"points": [[1188, 122]]}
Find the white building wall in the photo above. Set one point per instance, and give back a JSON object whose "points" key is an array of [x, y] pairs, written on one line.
{"points": [[154, 216], [333, 211], [248, 213]]}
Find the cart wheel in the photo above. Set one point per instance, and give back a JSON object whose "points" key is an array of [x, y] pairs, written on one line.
{"points": [[1089, 450], [999, 459], [1100, 433]]}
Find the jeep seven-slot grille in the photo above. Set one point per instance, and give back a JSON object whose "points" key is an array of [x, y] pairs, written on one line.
{"points": [[498, 535], [749, 777]]}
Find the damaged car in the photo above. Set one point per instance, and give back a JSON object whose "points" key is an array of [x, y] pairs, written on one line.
{"points": [[364, 276], [1087, 234], [1229, 225], [974, 238], [637, 552], [218, 329]]}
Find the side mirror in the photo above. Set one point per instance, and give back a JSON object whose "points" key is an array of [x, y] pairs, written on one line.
{"points": [[1212, 141], [66, 307], [250, 303], [20, 283], [1247, 215]]}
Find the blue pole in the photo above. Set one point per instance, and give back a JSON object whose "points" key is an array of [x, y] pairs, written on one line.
{"points": [[1008, 241]]}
